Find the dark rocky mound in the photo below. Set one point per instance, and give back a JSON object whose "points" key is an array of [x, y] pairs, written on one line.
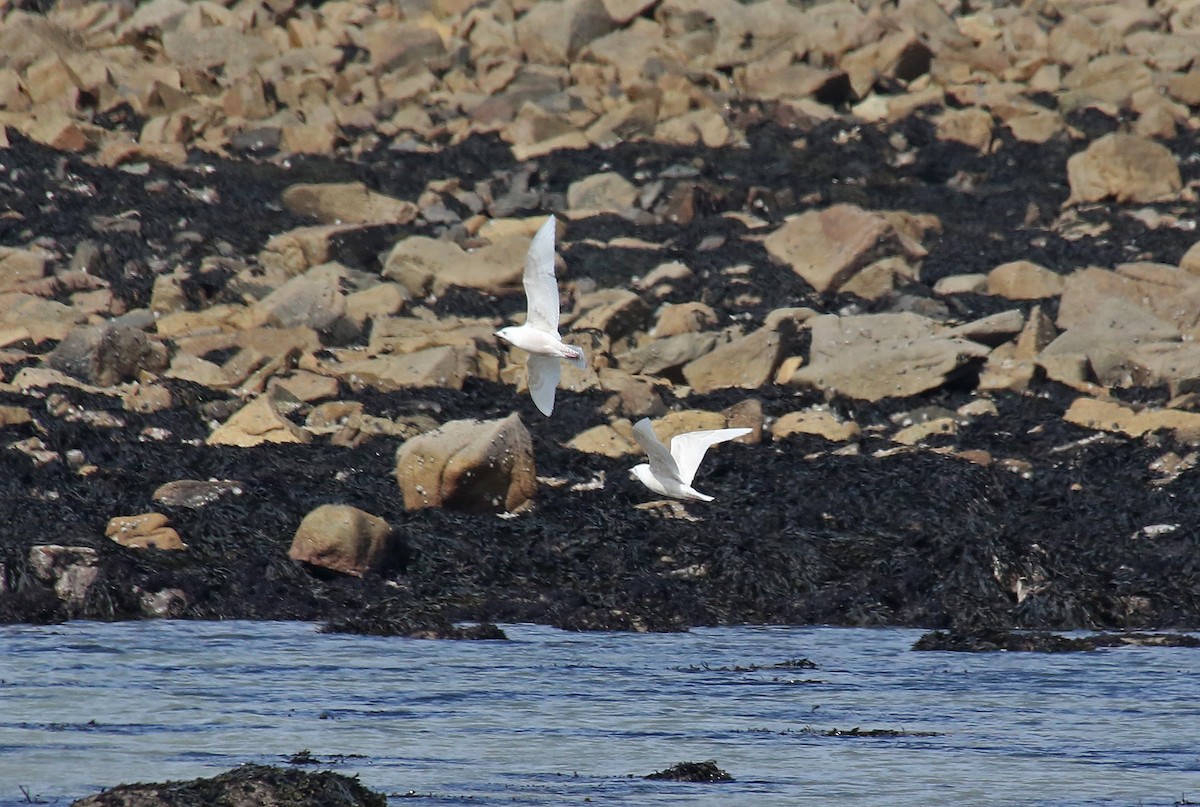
{"points": [[991, 641], [692, 772], [246, 786]]}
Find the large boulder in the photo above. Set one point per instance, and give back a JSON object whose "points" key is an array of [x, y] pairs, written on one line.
{"points": [[345, 539], [470, 465]]}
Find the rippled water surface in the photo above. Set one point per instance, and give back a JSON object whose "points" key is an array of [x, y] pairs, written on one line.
{"points": [[552, 717]]}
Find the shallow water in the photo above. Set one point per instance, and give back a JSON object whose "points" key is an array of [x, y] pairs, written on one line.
{"points": [[551, 717]]}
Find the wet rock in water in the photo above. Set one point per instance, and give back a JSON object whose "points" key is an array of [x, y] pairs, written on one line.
{"points": [[345, 539], [990, 641], [691, 772], [389, 618], [472, 465], [245, 786]]}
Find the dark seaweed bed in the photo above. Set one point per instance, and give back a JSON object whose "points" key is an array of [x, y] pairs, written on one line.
{"points": [[798, 534]]}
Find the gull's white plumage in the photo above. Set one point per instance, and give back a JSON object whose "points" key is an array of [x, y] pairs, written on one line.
{"points": [[539, 335], [670, 472]]}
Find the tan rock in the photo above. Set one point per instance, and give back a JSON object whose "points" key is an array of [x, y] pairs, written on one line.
{"points": [[878, 356], [425, 266], [145, 531], [1157, 294], [608, 192], [605, 441], [1109, 416], [747, 362], [444, 366], [468, 465], [677, 318], [820, 422], [992, 329], [255, 423], [345, 539], [634, 397], [410, 334], [347, 202], [971, 126], [615, 312], [298, 250], [1124, 167], [1024, 280], [961, 284], [1039, 331], [919, 432], [14, 416], [829, 246], [20, 266], [660, 356], [555, 32]]}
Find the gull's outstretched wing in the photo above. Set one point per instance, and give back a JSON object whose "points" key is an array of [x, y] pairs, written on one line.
{"points": [[662, 464], [689, 449], [543, 380], [541, 289]]}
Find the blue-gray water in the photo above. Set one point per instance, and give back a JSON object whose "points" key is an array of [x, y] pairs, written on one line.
{"points": [[550, 718]]}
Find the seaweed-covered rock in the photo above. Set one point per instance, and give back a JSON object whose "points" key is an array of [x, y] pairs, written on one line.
{"points": [[691, 772], [246, 786]]}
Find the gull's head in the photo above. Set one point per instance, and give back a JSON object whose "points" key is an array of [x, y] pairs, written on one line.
{"points": [[506, 333]]}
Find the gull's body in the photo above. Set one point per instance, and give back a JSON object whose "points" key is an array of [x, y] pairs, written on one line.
{"points": [[539, 335], [670, 472]]}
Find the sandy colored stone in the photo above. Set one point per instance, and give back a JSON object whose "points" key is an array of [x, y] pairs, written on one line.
{"points": [[746, 362], [555, 32], [608, 192], [1123, 167], [990, 330], [971, 126], [633, 396], [300, 249], [1166, 298], [444, 366], [919, 432], [879, 356], [479, 466], [827, 247], [20, 266], [399, 335], [605, 441], [961, 284], [257, 422], [1110, 416], [616, 312], [423, 265], [145, 531], [677, 318], [1039, 331], [1024, 280], [344, 539], [815, 421], [347, 202], [659, 356]]}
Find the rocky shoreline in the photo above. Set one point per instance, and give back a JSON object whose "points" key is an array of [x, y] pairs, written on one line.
{"points": [[942, 266]]}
